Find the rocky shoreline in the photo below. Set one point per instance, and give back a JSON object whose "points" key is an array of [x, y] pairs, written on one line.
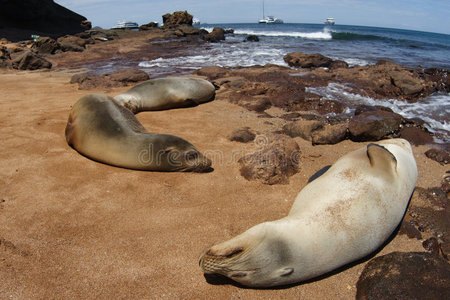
{"points": [[291, 118]]}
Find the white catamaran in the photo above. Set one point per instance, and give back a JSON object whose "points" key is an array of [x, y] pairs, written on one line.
{"points": [[269, 19]]}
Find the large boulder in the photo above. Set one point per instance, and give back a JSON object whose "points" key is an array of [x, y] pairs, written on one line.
{"points": [[45, 46], [276, 160], [216, 35], [410, 275], [73, 43], [30, 61], [20, 19], [177, 18], [373, 125], [302, 60]]}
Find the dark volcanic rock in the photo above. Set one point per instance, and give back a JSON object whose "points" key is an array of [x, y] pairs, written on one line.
{"points": [[45, 46], [373, 125], [336, 64], [5, 57], [129, 75], [73, 43], [252, 38], [212, 72], [30, 61], [432, 245], [277, 160], [243, 135], [416, 136], [148, 26], [439, 155], [20, 19], [329, 134], [177, 18], [217, 35], [121, 77], [302, 60], [429, 212], [410, 275]]}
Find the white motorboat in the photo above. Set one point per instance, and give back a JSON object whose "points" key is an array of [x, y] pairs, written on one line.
{"points": [[329, 21], [126, 25]]}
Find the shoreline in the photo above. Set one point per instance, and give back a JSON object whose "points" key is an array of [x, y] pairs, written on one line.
{"points": [[75, 228]]}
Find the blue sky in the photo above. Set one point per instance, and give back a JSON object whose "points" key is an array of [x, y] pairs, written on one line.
{"points": [[425, 15]]}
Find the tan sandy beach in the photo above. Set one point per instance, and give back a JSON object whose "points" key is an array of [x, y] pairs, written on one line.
{"points": [[73, 228]]}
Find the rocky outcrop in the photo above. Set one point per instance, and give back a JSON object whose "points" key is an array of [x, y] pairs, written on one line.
{"points": [[148, 26], [440, 155], [121, 77], [5, 57], [373, 125], [276, 160], [216, 35], [428, 212], [45, 46], [30, 61], [177, 18], [302, 60], [20, 19], [410, 275]]}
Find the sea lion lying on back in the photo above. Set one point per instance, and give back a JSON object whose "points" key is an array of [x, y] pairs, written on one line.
{"points": [[342, 216]]}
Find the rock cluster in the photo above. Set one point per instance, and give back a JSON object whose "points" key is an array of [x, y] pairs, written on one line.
{"points": [[121, 77], [260, 88], [177, 18]]}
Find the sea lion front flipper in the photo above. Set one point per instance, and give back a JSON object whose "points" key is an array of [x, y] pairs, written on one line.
{"points": [[381, 158]]}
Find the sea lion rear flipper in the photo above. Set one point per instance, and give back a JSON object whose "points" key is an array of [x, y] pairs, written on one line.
{"points": [[381, 159]]}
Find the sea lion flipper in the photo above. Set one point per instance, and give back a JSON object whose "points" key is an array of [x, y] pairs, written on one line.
{"points": [[381, 158]]}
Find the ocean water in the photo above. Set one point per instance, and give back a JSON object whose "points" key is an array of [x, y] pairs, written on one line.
{"points": [[356, 45]]}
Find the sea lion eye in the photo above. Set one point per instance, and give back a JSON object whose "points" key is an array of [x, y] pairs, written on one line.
{"points": [[191, 155]]}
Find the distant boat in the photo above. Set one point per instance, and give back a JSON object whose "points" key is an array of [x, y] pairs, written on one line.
{"points": [[126, 25], [269, 19], [329, 21], [195, 21]]}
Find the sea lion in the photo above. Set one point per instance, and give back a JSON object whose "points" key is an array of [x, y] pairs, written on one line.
{"points": [[342, 216], [165, 93], [103, 130]]}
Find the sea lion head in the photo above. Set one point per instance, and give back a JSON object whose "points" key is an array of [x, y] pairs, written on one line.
{"points": [[171, 153], [258, 257]]}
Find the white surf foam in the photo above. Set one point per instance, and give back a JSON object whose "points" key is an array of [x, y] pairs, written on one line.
{"points": [[318, 35], [434, 110]]}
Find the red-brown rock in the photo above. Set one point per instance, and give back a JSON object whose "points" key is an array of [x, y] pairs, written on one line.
{"points": [[302, 60], [277, 160], [440, 155], [30, 61], [416, 136], [177, 18], [373, 125], [402, 276], [217, 35]]}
